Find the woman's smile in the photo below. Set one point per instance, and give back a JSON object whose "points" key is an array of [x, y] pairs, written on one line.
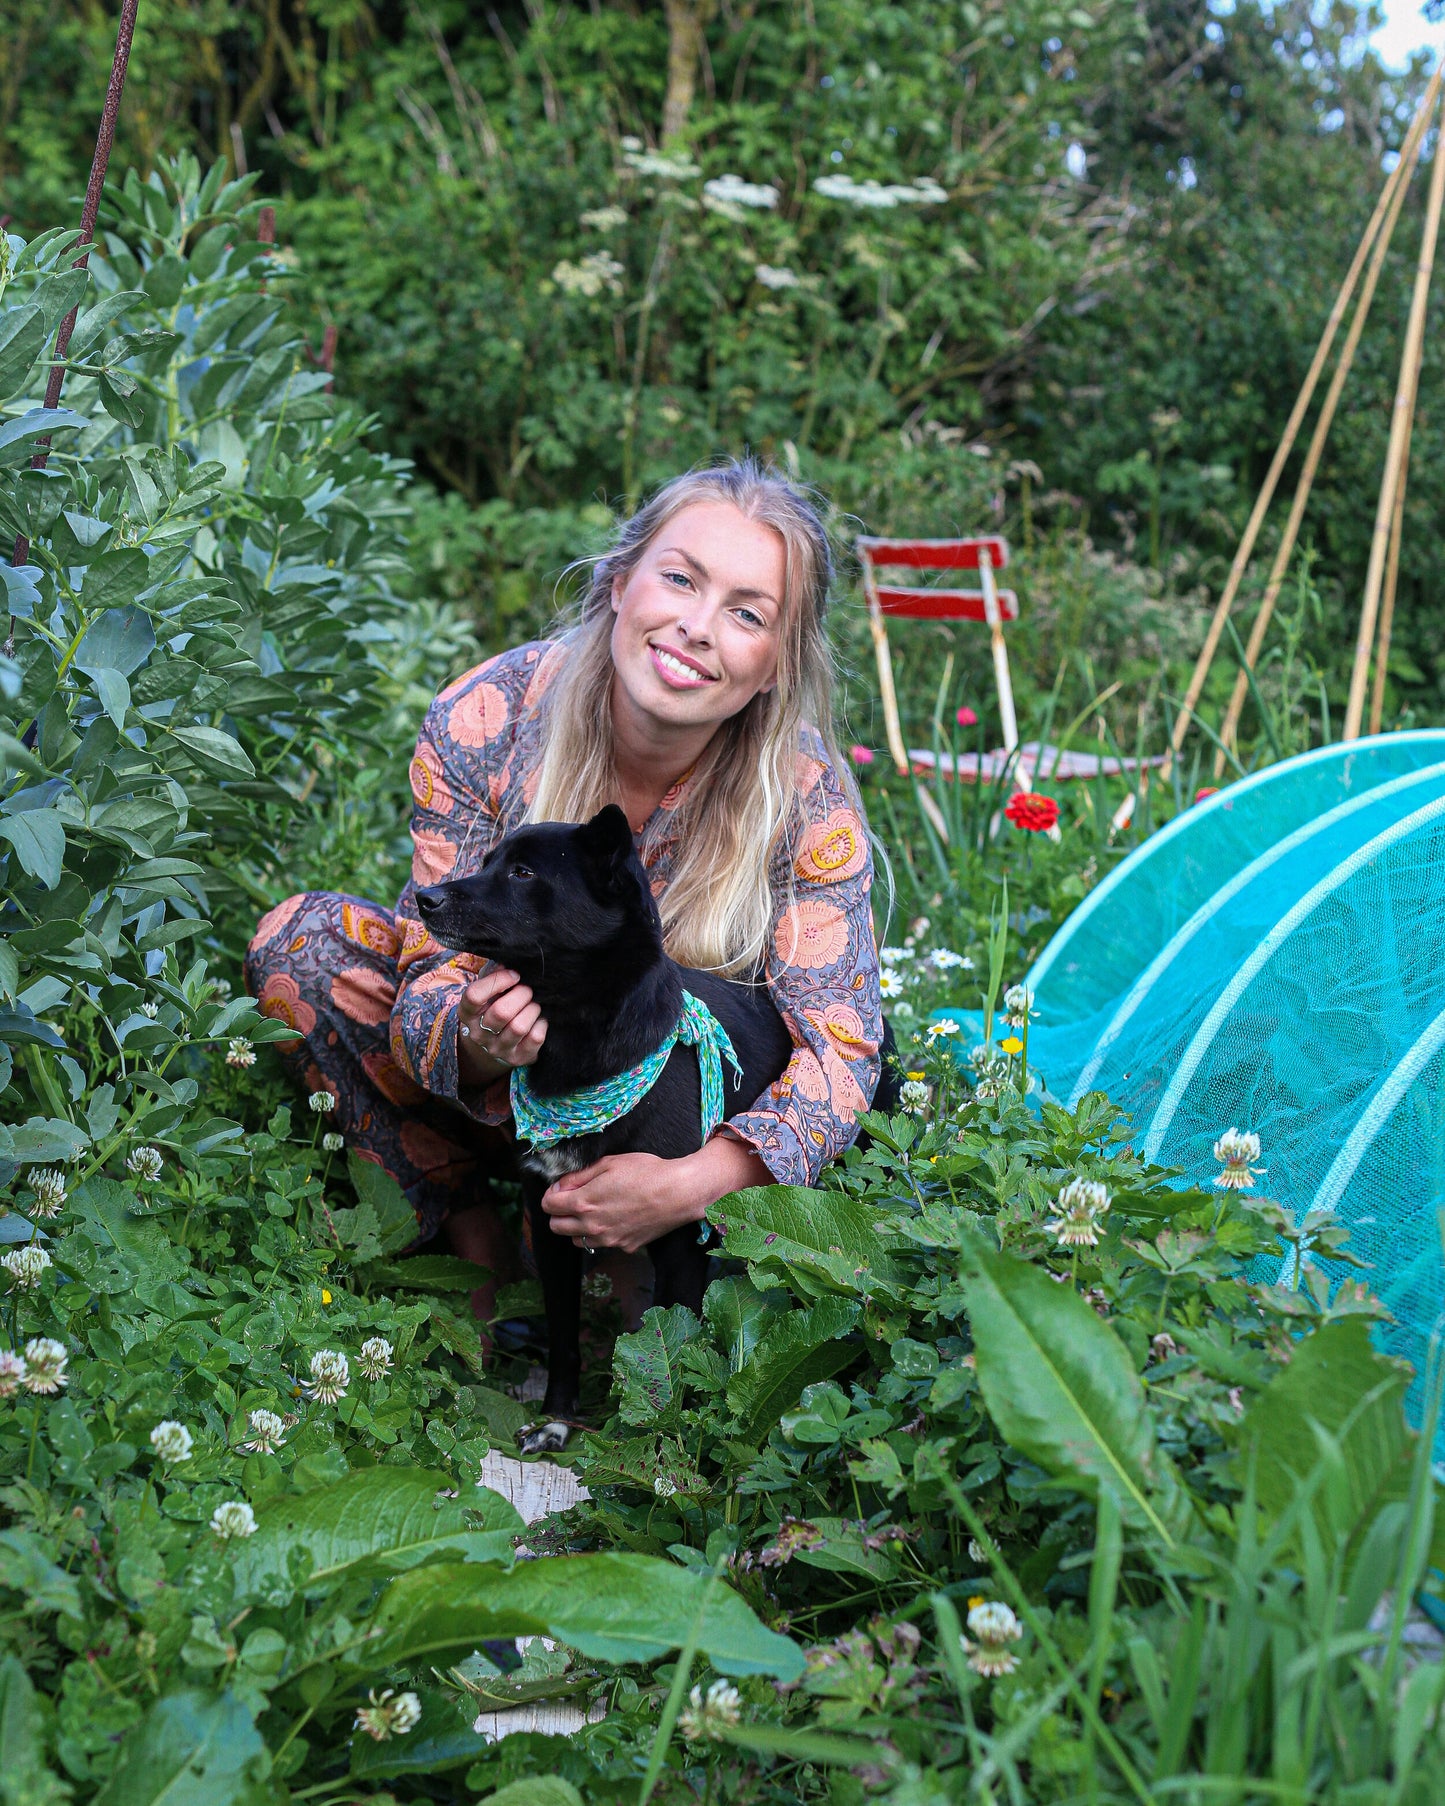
{"points": [[678, 670]]}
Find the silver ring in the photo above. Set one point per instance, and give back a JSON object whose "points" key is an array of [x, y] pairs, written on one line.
{"points": [[465, 1032]]}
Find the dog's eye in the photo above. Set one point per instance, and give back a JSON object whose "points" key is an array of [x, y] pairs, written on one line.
{"points": [[521, 871]]}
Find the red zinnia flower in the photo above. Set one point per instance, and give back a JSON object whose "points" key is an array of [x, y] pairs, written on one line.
{"points": [[1033, 813], [966, 717], [860, 755]]}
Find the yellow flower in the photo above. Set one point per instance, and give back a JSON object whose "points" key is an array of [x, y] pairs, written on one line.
{"points": [[978, 1599], [917, 1075], [1012, 1046], [325, 1296]]}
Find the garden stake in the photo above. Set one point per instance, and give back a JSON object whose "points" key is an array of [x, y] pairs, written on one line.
{"points": [[89, 213], [1399, 440], [1396, 182], [1409, 155], [1392, 567]]}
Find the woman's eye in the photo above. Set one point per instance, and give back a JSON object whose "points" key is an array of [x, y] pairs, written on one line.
{"points": [[681, 576], [751, 618]]}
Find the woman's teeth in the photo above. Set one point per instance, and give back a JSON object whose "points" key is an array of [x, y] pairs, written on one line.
{"points": [[676, 666]]}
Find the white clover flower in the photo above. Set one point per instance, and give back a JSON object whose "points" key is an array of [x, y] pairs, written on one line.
{"points": [[596, 271], [914, 1094], [12, 1372], [172, 1442], [976, 1551], [990, 1071], [390, 1714], [48, 1184], [145, 1163], [776, 278], [26, 1266], [321, 1103], [1018, 1007], [150, 1011], [239, 1052], [947, 960], [996, 1627], [374, 1358], [1237, 1150], [705, 1720], [663, 1487], [889, 983], [330, 1376], [233, 1519], [332, 1142], [45, 1361], [267, 1433], [734, 191], [941, 1027], [604, 219], [1077, 1212]]}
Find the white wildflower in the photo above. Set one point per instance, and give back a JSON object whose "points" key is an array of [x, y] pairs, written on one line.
{"points": [[45, 1361], [1018, 1007], [390, 1714], [1077, 1213], [332, 1142], [772, 277], [267, 1433], [321, 1103], [239, 1052], [374, 1358], [977, 1552], [172, 1442], [232, 1519], [941, 1027], [889, 983], [879, 195], [654, 163], [12, 1372], [990, 1071], [595, 272], [947, 960], [995, 1627], [897, 956], [330, 1376], [663, 1487], [734, 191], [706, 1719], [604, 219], [48, 1184], [915, 1094], [1237, 1150], [150, 1011], [145, 1163], [26, 1266]]}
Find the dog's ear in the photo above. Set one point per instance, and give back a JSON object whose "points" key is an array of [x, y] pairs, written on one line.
{"points": [[606, 843]]}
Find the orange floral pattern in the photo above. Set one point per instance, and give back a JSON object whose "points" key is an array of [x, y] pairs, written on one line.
{"points": [[473, 776]]}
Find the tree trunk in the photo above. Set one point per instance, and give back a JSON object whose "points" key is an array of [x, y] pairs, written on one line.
{"points": [[685, 22]]}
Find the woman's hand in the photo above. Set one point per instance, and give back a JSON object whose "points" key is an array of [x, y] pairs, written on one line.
{"points": [[628, 1200], [500, 1026]]}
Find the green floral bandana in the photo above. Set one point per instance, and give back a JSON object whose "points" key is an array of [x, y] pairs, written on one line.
{"points": [[544, 1120]]}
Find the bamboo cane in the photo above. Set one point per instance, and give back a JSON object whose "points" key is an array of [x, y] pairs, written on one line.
{"points": [[892, 726], [90, 212], [1409, 156], [1394, 456], [1283, 450], [1392, 573]]}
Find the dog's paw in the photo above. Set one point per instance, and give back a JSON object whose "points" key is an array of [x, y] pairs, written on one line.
{"points": [[544, 1438]]}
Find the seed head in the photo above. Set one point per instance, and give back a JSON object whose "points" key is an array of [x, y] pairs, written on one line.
{"points": [[321, 1102], [48, 1184], [389, 1714], [145, 1163], [234, 1518], [995, 1627], [1077, 1213], [330, 1376], [172, 1442], [12, 1372], [239, 1052], [26, 1266], [267, 1433], [375, 1357], [705, 1719], [1237, 1150], [45, 1360]]}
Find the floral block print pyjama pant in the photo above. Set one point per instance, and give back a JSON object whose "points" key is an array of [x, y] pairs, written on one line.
{"points": [[326, 965]]}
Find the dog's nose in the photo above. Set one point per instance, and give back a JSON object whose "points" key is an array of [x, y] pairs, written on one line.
{"points": [[429, 901]]}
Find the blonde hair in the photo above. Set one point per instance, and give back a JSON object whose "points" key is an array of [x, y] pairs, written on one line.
{"points": [[743, 798]]}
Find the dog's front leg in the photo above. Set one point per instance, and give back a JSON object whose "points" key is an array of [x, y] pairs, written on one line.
{"points": [[559, 1266], [680, 1264]]}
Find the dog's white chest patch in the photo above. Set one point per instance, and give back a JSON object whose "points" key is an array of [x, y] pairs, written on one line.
{"points": [[562, 1157]]}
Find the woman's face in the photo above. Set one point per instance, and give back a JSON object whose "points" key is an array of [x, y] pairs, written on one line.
{"points": [[698, 622]]}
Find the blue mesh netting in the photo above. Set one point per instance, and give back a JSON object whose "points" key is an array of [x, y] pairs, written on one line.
{"points": [[1271, 961]]}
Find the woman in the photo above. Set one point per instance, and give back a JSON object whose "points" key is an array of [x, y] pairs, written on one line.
{"points": [[696, 692]]}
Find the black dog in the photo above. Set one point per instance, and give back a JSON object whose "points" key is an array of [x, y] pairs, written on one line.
{"points": [[570, 911]]}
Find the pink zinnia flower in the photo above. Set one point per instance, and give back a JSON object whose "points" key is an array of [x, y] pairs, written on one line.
{"points": [[966, 717], [860, 755]]}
